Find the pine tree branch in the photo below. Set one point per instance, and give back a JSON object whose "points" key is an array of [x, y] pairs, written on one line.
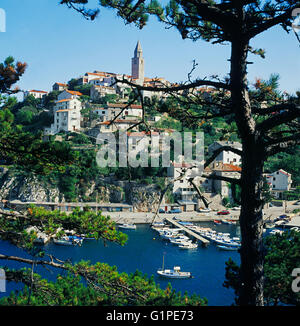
{"points": [[220, 150], [279, 119]]}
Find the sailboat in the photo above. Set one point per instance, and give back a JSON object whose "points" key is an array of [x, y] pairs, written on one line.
{"points": [[173, 273]]}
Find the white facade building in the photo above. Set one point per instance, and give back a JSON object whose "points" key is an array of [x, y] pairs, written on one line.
{"points": [[99, 91], [66, 117], [109, 126], [182, 188], [37, 94], [226, 157], [66, 94], [59, 87], [280, 180], [123, 111]]}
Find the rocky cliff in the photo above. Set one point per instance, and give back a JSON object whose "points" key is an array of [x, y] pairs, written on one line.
{"points": [[103, 190], [26, 189]]}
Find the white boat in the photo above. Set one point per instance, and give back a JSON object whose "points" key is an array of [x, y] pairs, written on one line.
{"points": [[188, 245], [225, 247], [295, 228], [173, 273], [269, 225], [179, 241], [169, 234], [68, 241], [227, 242], [127, 226], [163, 230], [63, 242], [281, 222], [276, 232], [158, 225]]}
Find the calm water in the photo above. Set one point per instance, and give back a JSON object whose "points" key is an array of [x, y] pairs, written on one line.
{"points": [[144, 251]]}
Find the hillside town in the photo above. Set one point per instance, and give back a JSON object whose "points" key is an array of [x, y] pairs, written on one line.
{"points": [[110, 110], [163, 172]]}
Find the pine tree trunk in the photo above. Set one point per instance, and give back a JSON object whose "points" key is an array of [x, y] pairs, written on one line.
{"points": [[251, 290], [251, 222]]}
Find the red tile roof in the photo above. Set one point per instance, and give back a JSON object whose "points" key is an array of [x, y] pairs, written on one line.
{"points": [[61, 84], [122, 106], [65, 100], [64, 110], [74, 92], [36, 91]]}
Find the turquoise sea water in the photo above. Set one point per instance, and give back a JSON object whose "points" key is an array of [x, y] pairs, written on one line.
{"points": [[144, 251]]}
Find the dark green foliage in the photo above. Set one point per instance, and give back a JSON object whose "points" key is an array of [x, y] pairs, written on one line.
{"points": [[107, 287], [282, 255]]}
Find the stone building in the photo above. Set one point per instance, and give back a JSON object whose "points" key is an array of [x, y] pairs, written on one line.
{"points": [[137, 65]]}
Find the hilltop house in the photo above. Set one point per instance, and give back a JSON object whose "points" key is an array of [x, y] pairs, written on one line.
{"points": [[66, 116], [36, 93], [89, 76], [59, 87], [109, 126], [123, 111], [66, 94], [98, 91]]}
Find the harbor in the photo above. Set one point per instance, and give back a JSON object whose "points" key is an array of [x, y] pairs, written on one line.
{"points": [[188, 231], [146, 248], [144, 251]]}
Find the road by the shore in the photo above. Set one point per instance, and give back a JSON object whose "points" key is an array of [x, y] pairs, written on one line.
{"points": [[147, 217]]}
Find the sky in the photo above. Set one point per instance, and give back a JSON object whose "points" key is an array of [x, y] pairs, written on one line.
{"points": [[58, 44]]}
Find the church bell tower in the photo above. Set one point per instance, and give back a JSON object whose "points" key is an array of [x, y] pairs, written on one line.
{"points": [[137, 65]]}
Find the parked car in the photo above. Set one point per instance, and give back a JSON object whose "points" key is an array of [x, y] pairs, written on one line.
{"points": [[162, 211], [175, 211], [223, 213], [236, 208]]}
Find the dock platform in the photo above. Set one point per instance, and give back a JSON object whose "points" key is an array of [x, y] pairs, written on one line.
{"points": [[198, 237]]}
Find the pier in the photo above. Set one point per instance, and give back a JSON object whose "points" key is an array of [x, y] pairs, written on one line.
{"points": [[198, 237]]}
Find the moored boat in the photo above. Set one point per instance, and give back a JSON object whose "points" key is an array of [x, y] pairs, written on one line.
{"points": [[179, 241], [68, 241], [172, 273], [188, 245], [225, 247], [128, 226]]}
